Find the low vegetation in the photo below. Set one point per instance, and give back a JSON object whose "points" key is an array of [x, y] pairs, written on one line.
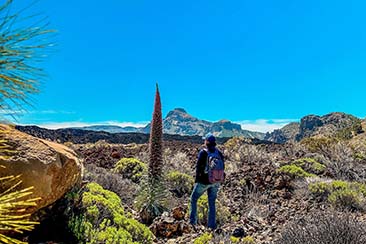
{"points": [[350, 195], [324, 228], [179, 183], [130, 168], [310, 165], [294, 171], [203, 239], [213, 238], [222, 212], [351, 131], [101, 218]]}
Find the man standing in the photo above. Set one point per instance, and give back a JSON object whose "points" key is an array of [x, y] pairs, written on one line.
{"points": [[209, 175]]}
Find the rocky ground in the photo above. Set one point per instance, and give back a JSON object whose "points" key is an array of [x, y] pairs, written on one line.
{"points": [[268, 187], [258, 198]]}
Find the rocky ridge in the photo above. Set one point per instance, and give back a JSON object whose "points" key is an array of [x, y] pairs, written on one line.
{"points": [[332, 124], [79, 136], [179, 122]]}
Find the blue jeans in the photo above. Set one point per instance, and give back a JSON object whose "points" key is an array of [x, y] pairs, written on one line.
{"points": [[197, 192]]}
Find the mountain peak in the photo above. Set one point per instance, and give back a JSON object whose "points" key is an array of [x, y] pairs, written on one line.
{"points": [[181, 110], [178, 112], [178, 121], [223, 121]]}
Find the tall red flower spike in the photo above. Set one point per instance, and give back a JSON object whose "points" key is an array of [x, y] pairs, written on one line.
{"points": [[156, 140]]}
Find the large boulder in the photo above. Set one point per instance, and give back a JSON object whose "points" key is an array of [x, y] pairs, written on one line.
{"points": [[53, 169]]}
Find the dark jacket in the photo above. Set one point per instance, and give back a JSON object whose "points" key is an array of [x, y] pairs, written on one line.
{"points": [[201, 177]]}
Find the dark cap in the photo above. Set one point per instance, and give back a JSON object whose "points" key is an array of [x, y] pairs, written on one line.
{"points": [[210, 138]]}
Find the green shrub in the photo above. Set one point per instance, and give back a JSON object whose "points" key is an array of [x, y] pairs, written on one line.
{"points": [[130, 168], [245, 240], [152, 200], [235, 142], [207, 237], [234, 239], [179, 183], [348, 132], [340, 193], [345, 198], [101, 218], [248, 240], [319, 190], [359, 156], [319, 144], [203, 239], [318, 167], [361, 187], [222, 212], [294, 171], [339, 185], [310, 165]]}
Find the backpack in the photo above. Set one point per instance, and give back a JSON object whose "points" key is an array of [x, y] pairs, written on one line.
{"points": [[214, 167]]}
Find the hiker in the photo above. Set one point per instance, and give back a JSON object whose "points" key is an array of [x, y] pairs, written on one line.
{"points": [[209, 175]]}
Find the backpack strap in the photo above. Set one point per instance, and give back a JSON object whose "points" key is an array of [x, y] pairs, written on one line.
{"points": [[206, 167]]}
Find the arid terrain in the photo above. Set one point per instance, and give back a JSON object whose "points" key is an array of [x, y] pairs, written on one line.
{"points": [[270, 187]]}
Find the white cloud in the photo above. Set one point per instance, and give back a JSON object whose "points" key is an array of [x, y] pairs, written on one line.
{"points": [[60, 125], [124, 124], [264, 125]]}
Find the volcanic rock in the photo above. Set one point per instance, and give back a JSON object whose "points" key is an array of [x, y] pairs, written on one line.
{"points": [[52, 169]]}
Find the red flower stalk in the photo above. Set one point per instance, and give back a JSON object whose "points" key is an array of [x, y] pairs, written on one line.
{"points": [[156, 141]]}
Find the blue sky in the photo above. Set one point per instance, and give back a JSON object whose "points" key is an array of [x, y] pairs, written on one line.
{"points": [[261, 63]]}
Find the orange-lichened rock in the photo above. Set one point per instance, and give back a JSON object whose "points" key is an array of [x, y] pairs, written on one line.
{"points": [[51, 168]]}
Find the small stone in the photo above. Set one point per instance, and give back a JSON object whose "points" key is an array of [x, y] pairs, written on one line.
{"points": [[116, 155], [178, 213], [268, 179], [239, 232]]}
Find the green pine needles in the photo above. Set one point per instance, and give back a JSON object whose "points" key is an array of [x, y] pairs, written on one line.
{"points": [[14, 201], [23, 41], [13, 205]]}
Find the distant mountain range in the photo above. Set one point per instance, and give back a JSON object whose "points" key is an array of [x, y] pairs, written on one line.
{"points": [[79, 136], [179, 125], [179, 122], [109, 128]]}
